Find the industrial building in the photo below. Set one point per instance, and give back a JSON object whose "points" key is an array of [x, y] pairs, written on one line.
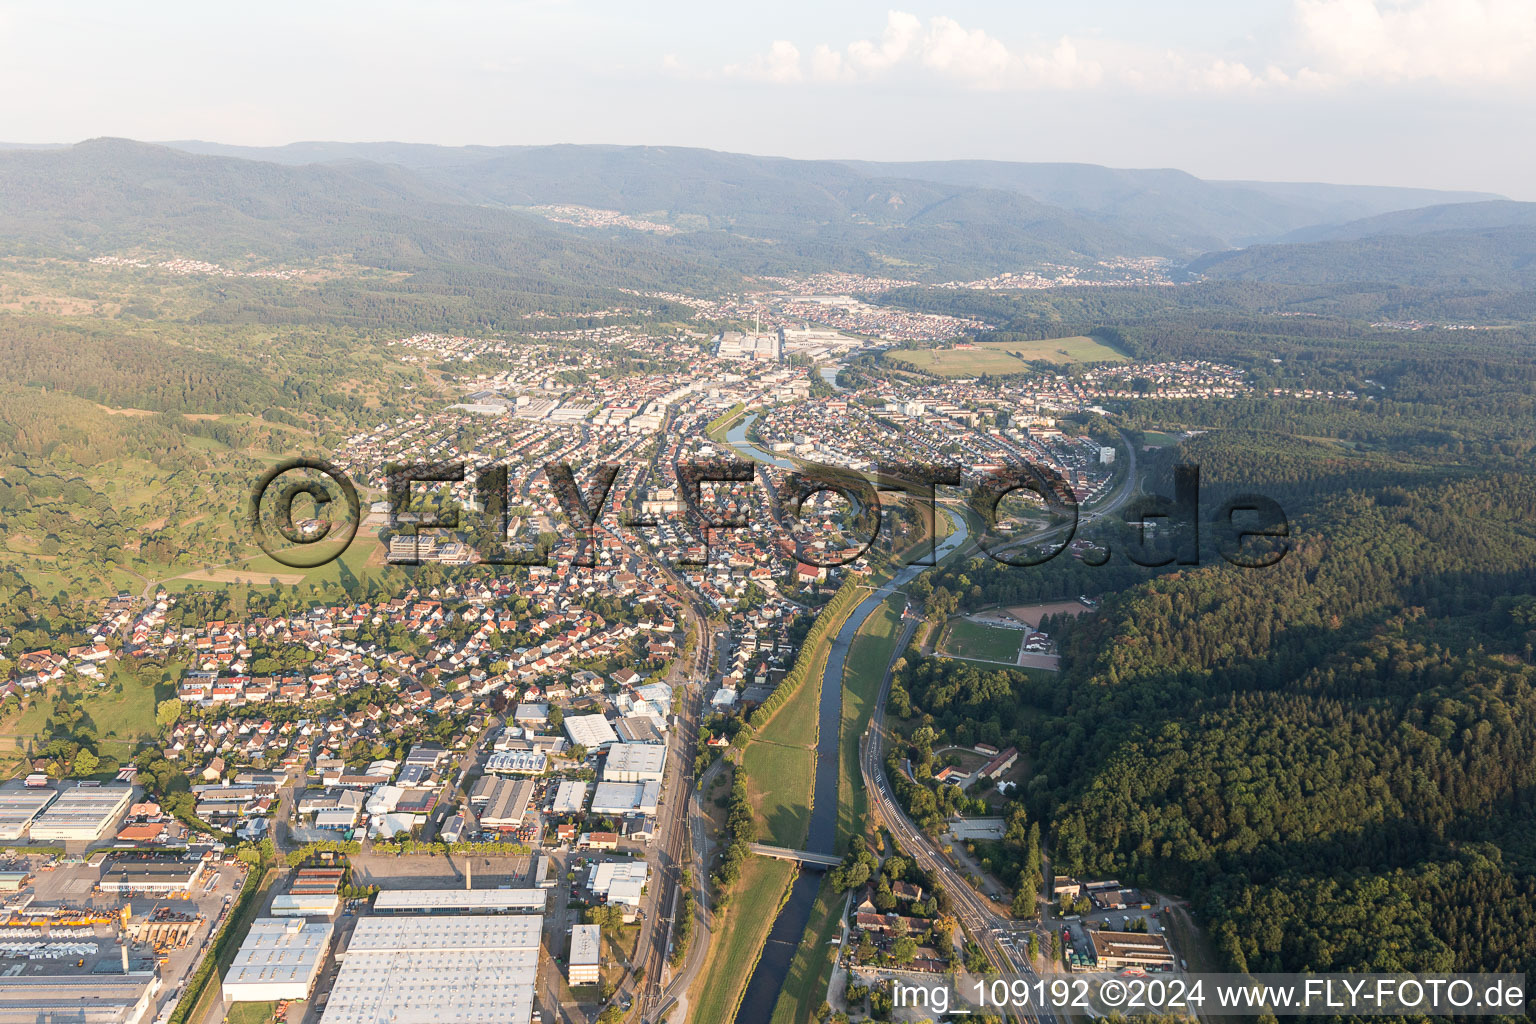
{"points": [[570, 797], [582, 968], [755, 347], [635, 762], [315, 892], [626, 797], [461, 901], [590, 731], [517, 762], [279, 959], [83, 814], [79, 998], [159, 877], [438, 970], [619, 881], [19, 805], [504, 802], [1116, 951]]}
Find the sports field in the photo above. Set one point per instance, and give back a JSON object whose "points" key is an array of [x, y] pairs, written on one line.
{"points": [[966, 639], [1003, 357]]}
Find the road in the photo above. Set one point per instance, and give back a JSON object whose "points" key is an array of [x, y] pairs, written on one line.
{"points": [[675, 850], [971, 908]]}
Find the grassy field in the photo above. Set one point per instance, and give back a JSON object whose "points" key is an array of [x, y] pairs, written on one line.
{"points": [[738, 940], [1004, 357], [862, 672], [780, 781], [261, 570], [122, 720], [805, 986], [251, 1013], [966, 639]]}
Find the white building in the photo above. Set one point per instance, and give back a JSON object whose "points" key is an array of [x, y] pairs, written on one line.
{"points": [[619, 876], [570, 797], [438, 970], [635, 762], [280, 959], [83, 814], [19, 805], [1106, 456], [583, 967], [590, 731], [461, 901], [626, 797]]}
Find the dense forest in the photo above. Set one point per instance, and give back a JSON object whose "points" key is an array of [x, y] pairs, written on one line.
{"points": [[1330, 756]]}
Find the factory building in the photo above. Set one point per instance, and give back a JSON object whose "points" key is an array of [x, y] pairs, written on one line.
{"points": [[635, 762], [279, 959], [84, 814], [438, 970], [461, 901]]}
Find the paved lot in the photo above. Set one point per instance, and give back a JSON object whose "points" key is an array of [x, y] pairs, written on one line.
{"points": [[73, 887], [446, 871]]}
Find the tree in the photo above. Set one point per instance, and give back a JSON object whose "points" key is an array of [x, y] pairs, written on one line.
{"points": [[86, 763], [168, 712]]}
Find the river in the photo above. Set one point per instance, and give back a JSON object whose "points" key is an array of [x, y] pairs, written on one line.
{"points": [[767, 979]]}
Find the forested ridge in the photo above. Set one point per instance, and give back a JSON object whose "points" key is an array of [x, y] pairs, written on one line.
{"points": [[1330, 757]]}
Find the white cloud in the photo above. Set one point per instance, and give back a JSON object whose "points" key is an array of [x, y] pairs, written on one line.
{"points": [[943, 48], [780, 64], [1449, 41], [902, 32], [1334, 42]]}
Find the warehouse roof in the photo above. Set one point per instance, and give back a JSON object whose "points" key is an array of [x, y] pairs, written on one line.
{"points": [[438, 970], [460, 899], [279, 951]]}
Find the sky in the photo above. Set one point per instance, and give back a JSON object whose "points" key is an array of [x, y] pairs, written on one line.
{"points": [[1436, 93]]}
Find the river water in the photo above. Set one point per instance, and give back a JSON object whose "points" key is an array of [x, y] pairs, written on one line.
{"points": [[789, 927]]}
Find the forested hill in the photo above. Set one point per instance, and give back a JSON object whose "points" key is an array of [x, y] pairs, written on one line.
{"points": [[698, 220], [1170, 209], [1502, 258], [1329, 757]]}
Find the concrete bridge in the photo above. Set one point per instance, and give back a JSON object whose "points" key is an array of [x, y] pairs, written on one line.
{"points": [[806, 857]]}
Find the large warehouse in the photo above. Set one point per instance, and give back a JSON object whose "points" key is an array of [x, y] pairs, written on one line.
{"points": [[505, 802], [635, 762], [438, 970], [79, 998], [155, 877], [83, 814], [590, 731], [19, 805], [461, 901], [280, 959], [625, 798]]}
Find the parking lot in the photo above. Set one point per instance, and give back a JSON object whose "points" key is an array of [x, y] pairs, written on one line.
{"points": [[180, 926]]}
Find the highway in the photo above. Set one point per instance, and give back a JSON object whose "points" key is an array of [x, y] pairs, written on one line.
{"points": [[973, 911]]}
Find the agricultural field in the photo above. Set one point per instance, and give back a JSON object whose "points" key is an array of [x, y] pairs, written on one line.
{"points": [[964, 638], [1004, 357]]}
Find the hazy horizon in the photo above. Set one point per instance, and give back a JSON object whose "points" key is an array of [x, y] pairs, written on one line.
{"points": [[1413, 93]]}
